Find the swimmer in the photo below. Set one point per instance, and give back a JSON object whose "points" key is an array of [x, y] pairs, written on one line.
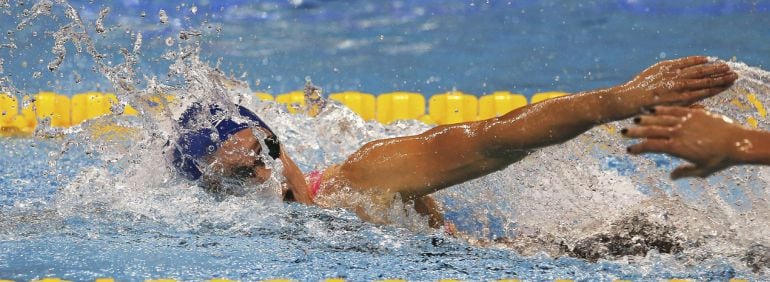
{"points": [[410, 168], [710, 142]]}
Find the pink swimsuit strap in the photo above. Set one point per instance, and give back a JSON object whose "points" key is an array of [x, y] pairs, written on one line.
{"points": [[314, 179]]}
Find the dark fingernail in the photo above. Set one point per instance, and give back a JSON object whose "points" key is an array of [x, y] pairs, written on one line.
{"points": [[624, 131], [628, 149], [652, 110], [637, 120]]}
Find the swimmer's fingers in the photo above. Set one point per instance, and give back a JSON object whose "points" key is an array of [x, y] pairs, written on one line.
{"points": [[694, 96], [701, 71], [652, 131], [651, 146], [702, 171], [675, 111], [687, 62], [705, 83], [688, 170], [658, 120], [709, 82]]}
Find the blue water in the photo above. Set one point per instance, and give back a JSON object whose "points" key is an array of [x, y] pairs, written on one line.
{"points": [[371, 46], [424, 46]]}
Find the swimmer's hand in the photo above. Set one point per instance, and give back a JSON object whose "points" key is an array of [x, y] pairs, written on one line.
{"points": [[710, 142], [676, 82]]}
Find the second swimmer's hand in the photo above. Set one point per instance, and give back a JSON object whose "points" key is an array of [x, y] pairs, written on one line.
{"points": [[676, 82], [710, 142]]}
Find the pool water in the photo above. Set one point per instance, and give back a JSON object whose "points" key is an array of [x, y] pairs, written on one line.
{"points": [[80, 207]]}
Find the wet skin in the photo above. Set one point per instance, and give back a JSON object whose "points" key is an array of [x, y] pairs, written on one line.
{"points": [[413, 167], [710, 142]]}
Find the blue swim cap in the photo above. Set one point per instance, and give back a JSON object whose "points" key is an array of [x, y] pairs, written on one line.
{"points": [[203, 133]]}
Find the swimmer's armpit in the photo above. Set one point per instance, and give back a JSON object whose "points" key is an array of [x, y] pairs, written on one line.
{"points": [[710, 142]]}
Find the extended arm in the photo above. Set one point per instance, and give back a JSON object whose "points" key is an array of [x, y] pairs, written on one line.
{"points": [[415, 166], [708, 141]]}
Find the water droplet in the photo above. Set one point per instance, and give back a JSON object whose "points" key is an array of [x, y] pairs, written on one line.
{"points": [[296, 3], [100, 20], [162, 16], [169, 41]]}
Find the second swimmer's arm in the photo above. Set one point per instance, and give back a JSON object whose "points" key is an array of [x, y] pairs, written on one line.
{"points": [[709, 142], [758, 152]]}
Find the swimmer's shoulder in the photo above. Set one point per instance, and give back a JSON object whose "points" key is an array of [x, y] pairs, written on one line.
{"points": [[329, 179], [331, 174]]}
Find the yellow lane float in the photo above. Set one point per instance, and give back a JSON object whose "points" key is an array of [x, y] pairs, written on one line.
{"points": [[499, 103], [453, 107], [395, 106]]}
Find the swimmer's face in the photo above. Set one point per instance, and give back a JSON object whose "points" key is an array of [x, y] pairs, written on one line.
{"points": [[241, 157]]}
